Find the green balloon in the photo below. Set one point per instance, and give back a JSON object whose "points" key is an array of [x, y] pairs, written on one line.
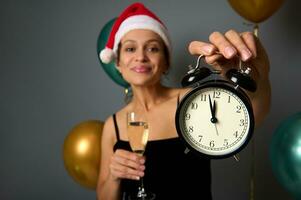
{"points": [[285, 154], [110, 68]]}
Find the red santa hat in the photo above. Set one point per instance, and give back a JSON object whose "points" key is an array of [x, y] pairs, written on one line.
{"points": [[136, 16]]}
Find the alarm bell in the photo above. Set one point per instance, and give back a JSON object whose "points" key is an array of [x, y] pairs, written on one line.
{"points": [[238, 77], [197, 74], [242, 79]]}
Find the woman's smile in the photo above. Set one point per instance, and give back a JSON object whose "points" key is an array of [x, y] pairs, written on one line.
{"points": [[141, 69]]}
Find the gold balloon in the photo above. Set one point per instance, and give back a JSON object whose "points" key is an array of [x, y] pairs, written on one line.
{"points": [[255, 10], [81, 152]]}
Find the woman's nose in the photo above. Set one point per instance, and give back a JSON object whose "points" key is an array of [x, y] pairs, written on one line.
{"points": [[141, 55]]}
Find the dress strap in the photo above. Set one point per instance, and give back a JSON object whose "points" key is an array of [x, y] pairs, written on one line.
{"points": [[116, 127]]}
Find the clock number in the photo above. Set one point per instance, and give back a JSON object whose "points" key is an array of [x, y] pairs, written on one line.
{"points": [[190, 129], [187, 116], [242, 122], [194, 106], [216, 94], [201, 137], [203, 97], [236, 134], [211, 144], [226, 142], [238, 109], [229, 99]]}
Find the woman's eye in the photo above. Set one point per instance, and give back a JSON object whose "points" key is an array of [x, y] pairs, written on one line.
{"points": [[153, 49], [129, 49]]}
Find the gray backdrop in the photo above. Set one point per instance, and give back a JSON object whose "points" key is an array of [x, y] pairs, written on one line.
{"points": [[51, 79]]}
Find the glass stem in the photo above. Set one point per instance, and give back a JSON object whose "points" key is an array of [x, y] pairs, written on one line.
{"points": [[141, 183], [141, 191]]}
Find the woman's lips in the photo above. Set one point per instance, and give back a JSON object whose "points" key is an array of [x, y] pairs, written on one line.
{"points": [[141, 69]]}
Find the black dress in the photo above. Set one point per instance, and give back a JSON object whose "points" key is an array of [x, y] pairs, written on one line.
{"points": [[170, 172]]}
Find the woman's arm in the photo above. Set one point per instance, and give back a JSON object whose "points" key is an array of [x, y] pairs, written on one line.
{"points": [[108, 186]]}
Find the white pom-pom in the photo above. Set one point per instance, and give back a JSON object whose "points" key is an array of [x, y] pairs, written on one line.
{"points": [[107, 55]]}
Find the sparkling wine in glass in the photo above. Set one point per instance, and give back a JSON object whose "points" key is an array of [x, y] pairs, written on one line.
{"points": [[137, 130]]}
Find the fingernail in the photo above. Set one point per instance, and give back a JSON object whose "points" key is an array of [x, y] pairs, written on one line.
{"points": [[229, 51], [245, 54], [141, 174], [208, 49], [137, 178], [142, 161]]}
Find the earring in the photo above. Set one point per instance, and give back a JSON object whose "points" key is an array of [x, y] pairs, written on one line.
{"points": [[128, 95]]}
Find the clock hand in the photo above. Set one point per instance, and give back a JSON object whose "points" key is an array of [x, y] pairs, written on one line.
{"points": [[216, 129], [212, 110]]}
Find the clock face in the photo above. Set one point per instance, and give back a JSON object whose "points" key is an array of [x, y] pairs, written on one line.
{"points": [[215, 120]]}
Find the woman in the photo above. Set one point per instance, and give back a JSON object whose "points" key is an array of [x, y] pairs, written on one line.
{"points": [[140, 45]]}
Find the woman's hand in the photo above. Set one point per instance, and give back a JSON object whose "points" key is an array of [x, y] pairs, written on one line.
{"points": [[224, 51], [126, 164]]}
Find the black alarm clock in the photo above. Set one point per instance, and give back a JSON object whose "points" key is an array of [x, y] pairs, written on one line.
{"points": [[215, 118]]}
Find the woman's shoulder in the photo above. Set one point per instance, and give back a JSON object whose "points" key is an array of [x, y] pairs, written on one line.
{"points": [[114, 123], [108, 124], [118, 113], [180, 92], [123, 111]]}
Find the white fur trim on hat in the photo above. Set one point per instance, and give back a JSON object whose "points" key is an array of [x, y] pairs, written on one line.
{"points": [[107, 55], [141, 22]]}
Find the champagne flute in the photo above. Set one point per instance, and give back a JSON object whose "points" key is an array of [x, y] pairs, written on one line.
{"points": [[138, 130]]}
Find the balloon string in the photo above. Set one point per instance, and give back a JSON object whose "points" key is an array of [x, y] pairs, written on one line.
{"points": [[252, 178], [252, 181], [255, 27]]}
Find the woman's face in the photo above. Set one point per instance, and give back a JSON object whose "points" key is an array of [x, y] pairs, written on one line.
{"points": [[142, 59]]}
